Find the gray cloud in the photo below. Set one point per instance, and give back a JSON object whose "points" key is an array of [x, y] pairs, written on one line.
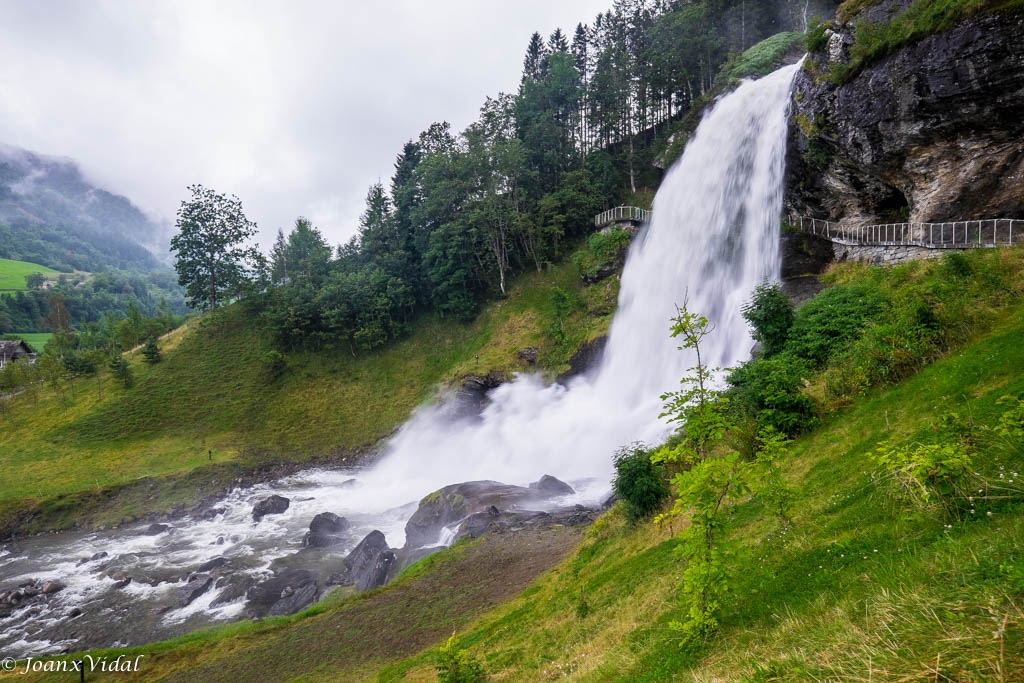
{"points": [[295, 107]]}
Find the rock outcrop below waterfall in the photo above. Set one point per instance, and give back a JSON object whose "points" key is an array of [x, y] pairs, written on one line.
{"points": [[932, 132]]}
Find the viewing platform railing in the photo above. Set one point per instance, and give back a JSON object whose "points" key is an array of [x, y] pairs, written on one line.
{"points": [[622, 213], [987, 232]]}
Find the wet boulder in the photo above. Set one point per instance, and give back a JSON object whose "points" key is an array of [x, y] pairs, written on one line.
{"points": [[197, 585], [155, 529], [286, 593], [551, 486], [211, 565], [272, 505], [453, 503], [325, 530], [231, 589], [369, 562], [53, 586], [294, 599]]}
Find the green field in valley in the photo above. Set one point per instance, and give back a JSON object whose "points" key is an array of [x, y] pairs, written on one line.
{"points": [[13, 273]]}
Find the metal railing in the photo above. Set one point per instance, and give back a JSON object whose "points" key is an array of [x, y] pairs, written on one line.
{"points": [[621, 213], [987, 232]]}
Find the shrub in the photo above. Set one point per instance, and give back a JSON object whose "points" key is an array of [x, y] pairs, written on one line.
{"points": [[816, 38], [638, 482], [769, 390], [770, 314], [458, 666], [605, 251], [832, 320]]}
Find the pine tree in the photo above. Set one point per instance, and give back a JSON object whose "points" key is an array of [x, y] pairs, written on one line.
{"points": [[557, 42], [151, 351], [536, 59]]}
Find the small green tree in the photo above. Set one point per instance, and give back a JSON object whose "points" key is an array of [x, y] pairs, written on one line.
{"points": [[698, 407], [770, 314], [639, 482], [458, 666], [151, 351], [211, 258], [122, 371]]}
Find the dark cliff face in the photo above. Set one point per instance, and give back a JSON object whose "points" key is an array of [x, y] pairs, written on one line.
{"points": [[933, 132]]}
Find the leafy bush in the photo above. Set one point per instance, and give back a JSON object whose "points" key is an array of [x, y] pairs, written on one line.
{"points": [[770, 314], [769, 390], [458, 666], [638, 482], [832, 320], [927, 474]]}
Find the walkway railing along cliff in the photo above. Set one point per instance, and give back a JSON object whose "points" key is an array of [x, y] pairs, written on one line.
{"points": [[988, 232], [621, 213]]}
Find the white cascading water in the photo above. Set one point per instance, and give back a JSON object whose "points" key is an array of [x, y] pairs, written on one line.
{"points": [[713, 237]]}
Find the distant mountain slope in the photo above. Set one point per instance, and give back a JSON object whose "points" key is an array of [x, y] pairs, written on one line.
{"points": [[50, 214]]}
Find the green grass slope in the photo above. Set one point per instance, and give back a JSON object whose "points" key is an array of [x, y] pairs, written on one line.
{"points": [[65, 450], [12, 274]]}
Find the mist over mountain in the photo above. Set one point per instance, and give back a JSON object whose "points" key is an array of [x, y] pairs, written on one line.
{"points": [[52, 215]]}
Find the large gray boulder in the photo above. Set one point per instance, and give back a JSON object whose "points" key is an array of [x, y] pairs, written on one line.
{"points": [[325, 530], [551, 486], [272, 505], [454, 503], [369, 562], [286, 593]]}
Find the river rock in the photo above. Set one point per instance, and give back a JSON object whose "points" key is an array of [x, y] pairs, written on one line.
{"points": [[457, 501], [552, 486], [97, 556], [51, 587], [272, 505], [369, 562], [326, 529], [286, 593], [197, 585], [211, 565], [294, 599], [231, 589], [155, 529]]}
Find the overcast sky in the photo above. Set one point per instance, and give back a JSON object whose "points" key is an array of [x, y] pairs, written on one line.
{"points": [[296, 107]]}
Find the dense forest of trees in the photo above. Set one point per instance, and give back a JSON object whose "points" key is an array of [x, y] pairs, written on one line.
{"points": [[519, 186], [76, 301]]}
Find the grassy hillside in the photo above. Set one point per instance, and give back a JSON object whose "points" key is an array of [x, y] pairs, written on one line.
{"points": [[12, 274], [861, 584], [217, 391]]}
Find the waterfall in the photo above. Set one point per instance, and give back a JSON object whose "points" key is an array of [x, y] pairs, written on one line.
{"points": [[712, 238]]}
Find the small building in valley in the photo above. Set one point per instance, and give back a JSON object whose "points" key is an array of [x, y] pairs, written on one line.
{"points": [[12, 350]]}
